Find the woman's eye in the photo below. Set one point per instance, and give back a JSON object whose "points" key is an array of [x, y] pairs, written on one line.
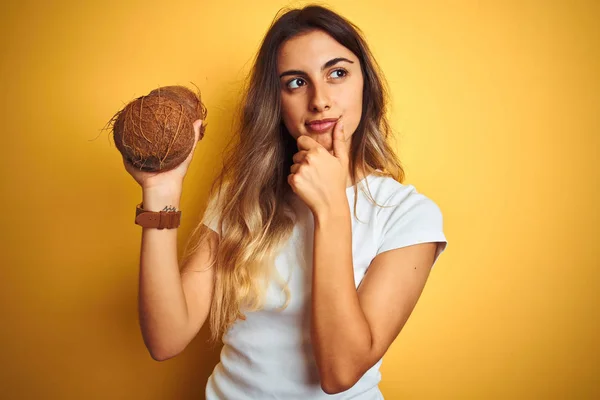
{"points": [[295, 83], [338, 73]]}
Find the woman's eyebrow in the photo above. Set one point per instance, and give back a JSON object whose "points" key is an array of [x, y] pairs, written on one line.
{"points": [[328, 64]]}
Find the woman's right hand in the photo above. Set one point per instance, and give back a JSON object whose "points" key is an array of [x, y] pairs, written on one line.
{"points": [[167, 179]]}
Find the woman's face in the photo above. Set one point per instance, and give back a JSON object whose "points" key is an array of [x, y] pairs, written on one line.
{"points": [[320, 80]]}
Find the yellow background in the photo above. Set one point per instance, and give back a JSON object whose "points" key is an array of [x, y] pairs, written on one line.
{"points": [[496, 107]]}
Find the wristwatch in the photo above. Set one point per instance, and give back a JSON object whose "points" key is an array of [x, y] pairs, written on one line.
{"points": [[157, 219]]}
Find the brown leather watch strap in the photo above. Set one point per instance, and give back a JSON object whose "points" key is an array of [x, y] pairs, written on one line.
{"points": [[157, 219]]}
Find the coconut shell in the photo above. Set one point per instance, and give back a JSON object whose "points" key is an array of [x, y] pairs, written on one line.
{"points": [[155, 132]]}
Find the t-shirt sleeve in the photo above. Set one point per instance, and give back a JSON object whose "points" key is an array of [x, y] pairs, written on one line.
{"points": [[412, 220], [211, 214]]}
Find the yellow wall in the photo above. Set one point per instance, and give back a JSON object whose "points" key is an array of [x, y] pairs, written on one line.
{"points": [[496, 105]]}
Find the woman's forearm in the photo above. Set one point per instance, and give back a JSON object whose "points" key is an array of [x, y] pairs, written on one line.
{"points": [[340, 333]]}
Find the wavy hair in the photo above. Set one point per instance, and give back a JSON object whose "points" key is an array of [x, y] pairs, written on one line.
{"points": [[252, 186]]}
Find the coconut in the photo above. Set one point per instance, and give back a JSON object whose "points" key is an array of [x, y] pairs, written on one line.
{"points": [[155, 132]]}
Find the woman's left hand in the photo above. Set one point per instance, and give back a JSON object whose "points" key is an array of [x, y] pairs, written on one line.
{"points": [[318, 177]]}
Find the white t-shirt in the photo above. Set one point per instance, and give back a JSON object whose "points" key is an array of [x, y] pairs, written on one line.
{"points": [[269, 355]]}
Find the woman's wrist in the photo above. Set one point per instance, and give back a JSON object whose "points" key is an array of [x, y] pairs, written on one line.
{"points": [[161, 199]]}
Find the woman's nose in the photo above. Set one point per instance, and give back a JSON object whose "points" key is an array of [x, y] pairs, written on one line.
{"points": [[320, 100]]}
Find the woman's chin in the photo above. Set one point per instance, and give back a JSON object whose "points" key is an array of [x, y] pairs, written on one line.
{"points": [[324, 140]]}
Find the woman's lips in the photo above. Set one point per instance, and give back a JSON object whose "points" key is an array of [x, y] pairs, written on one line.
{"points": [[320, 127]]}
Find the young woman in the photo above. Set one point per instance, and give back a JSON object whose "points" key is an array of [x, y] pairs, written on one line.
{"points": [[305, 278]]}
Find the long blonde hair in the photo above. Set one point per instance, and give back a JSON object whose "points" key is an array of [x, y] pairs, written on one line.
{"points": [[252, 185]]}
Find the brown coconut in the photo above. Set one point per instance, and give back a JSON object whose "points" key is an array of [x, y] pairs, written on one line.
{"points": [[155, 132]]}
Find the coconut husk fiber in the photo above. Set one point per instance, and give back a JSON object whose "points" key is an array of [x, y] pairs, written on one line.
{"points": [[155, 132]]}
